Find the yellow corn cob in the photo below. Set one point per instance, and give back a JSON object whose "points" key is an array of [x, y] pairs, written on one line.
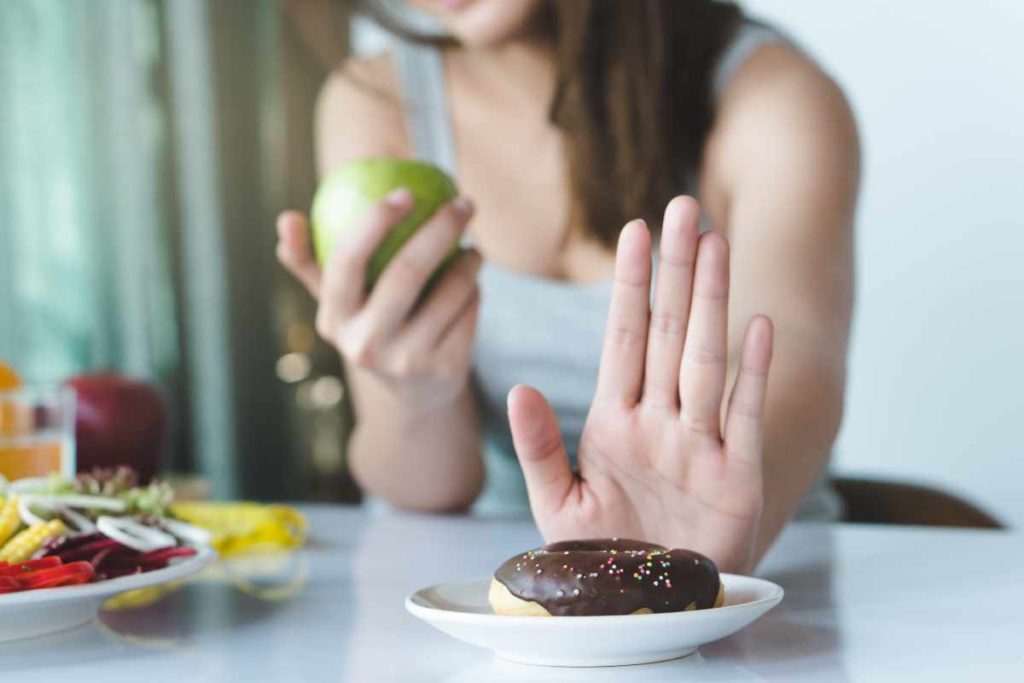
{"points": [[9, 519], [22, 546]]}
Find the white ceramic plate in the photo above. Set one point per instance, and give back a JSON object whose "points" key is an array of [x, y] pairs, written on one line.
{"points": [[461, 610], [34, 613]]}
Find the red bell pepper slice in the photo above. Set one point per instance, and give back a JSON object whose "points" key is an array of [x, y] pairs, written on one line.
{"points": [[21, 568], [69, 580], [43, 577]]}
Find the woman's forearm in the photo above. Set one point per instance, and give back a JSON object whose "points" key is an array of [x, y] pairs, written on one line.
{"points": [[803, 415], [416, 454]]}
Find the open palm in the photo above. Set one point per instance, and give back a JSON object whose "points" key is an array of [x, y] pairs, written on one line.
{"points": [[656, 460]]}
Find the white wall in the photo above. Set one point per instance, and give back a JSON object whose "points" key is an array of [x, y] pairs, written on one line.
{"points": [[936, 391]]}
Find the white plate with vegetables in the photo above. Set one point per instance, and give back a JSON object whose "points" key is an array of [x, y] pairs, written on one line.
{"points": [[68, 545]]}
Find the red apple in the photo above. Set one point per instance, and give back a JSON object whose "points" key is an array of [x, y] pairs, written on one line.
{"points": [[118, 421]]}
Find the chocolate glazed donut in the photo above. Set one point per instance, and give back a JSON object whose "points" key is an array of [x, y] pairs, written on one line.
{"points": [[604, 576]]}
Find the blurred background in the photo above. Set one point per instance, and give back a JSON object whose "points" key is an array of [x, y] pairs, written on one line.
{"points": [[146, 147]]}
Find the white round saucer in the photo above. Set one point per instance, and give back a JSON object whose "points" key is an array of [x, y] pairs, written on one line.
{"points": [[461, 610]]}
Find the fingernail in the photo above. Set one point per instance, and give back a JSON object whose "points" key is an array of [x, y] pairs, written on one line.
{"points": [[632, 229], [675, 213], [508, 396], [464, 205], [399, 198]]}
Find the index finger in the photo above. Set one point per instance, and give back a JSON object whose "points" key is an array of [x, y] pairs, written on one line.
{"points": [[621, 374], [344, 276]]}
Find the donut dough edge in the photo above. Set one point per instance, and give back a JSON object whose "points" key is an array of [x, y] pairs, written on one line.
{"points": [[503, 602]]}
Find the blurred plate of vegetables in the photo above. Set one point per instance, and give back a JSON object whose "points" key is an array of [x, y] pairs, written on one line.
{"points": [[66, 545]]}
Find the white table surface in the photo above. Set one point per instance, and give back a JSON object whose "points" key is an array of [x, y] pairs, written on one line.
{"points": [[862, 604]]}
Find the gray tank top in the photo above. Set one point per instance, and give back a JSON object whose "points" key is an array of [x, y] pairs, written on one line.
{"points": [[534, 330]]}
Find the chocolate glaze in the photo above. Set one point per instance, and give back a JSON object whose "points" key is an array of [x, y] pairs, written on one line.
{"points": [[610, 576]]}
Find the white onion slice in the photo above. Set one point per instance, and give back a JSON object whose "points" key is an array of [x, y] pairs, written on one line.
{"points": [[26, 514], [81, 522], [135, 535], [188, 532], [76, 501], [29, 484]]}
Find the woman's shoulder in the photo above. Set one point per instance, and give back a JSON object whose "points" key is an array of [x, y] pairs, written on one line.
{"points": [[779, 111], [773, 75], [359, 112]]}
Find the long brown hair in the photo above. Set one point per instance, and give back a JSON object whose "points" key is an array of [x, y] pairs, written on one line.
{"points": [[633, 99]]}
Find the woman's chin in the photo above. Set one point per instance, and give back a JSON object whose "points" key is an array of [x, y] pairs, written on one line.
{"points": [[485, 23]]}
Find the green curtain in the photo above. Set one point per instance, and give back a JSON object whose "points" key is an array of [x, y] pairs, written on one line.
{"points": [[145, 148], [83, 260]]}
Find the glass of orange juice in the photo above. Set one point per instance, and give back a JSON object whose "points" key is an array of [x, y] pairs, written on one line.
{"points": [[37, 431]]}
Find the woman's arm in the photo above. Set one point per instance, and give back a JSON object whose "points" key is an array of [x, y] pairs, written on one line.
{"points": [[416, 437], [668, 454], [416, 455], [781, 180]]}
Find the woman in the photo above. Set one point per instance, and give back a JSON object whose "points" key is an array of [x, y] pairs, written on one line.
{"points": [[562, 120]]}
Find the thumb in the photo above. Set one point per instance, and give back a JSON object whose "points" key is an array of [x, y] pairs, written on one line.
{"points": [[295, 251], [538, 444]]}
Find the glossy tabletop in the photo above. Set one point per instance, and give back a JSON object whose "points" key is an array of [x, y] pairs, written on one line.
{"points": [[862, 604]]}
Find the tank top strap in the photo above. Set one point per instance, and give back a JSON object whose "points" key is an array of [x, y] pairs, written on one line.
{"points": [[420, 69], [421, 76], [750, 37]]}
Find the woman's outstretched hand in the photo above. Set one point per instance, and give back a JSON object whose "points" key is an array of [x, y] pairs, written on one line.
{"points": [[656, 460]]}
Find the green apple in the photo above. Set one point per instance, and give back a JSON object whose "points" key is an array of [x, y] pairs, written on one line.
{"points": [[347, 195]]}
